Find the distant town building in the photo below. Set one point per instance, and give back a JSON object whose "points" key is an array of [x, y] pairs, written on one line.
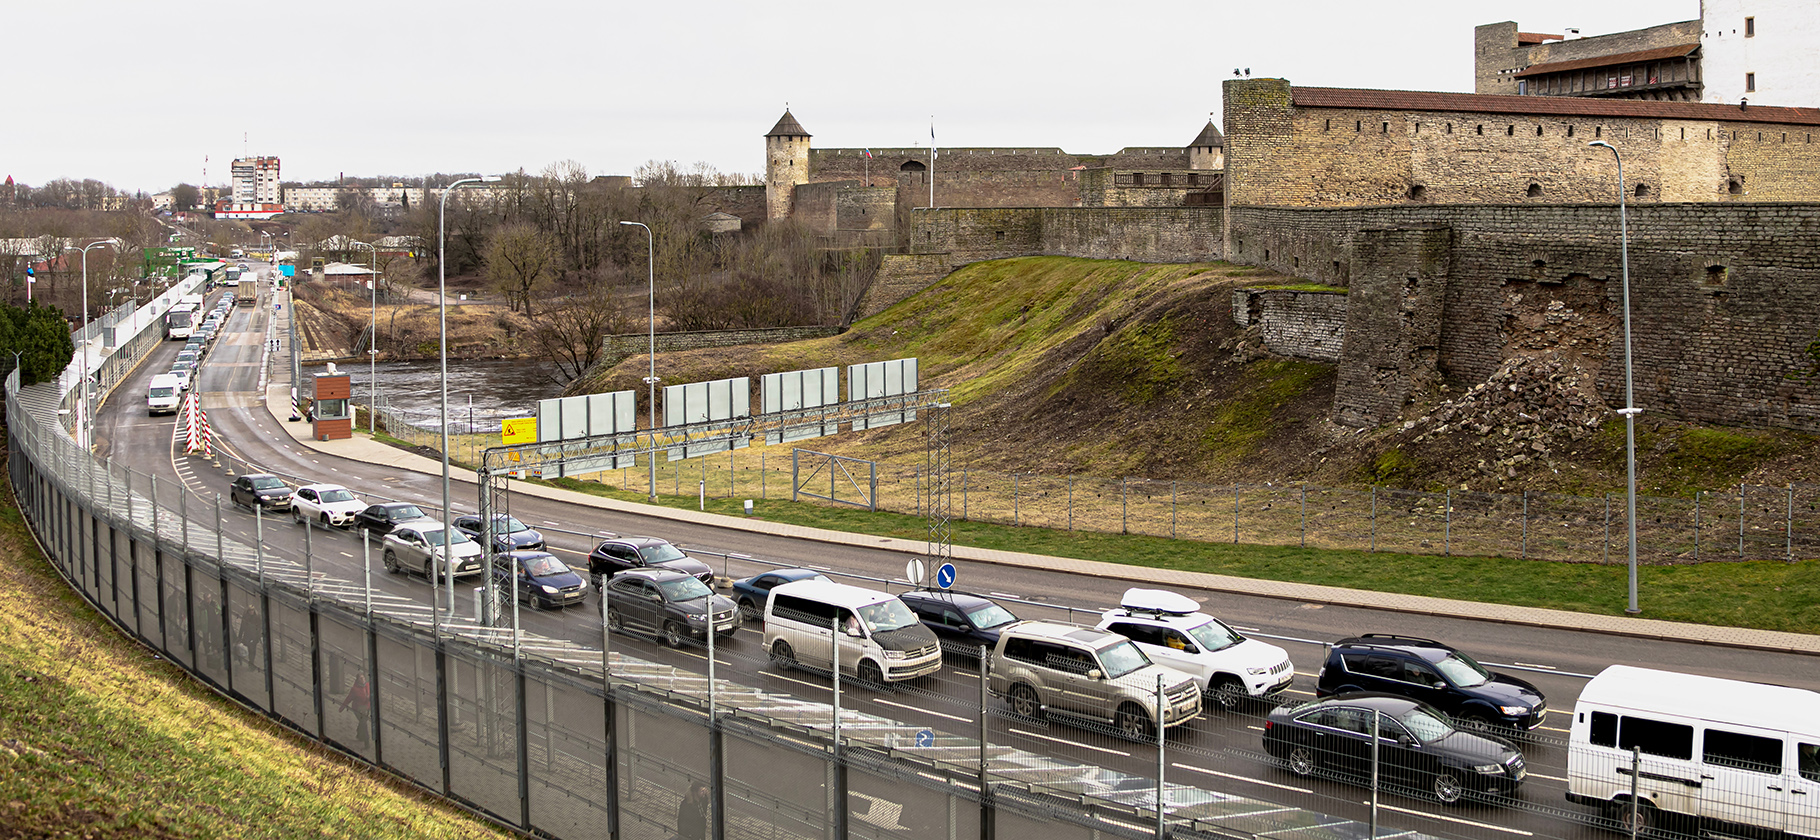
{"points": [[255, 180]]}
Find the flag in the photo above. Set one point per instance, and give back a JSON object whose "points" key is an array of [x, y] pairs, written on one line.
{"points": [[932, 138], [868, 154]]}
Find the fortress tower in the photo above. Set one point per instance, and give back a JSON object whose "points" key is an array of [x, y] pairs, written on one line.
{"points": [[786, 165], [1208, 150]]}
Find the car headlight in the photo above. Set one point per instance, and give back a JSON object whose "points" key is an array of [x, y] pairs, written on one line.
{"points": [[894, 654], [696, 619], [1488, 769], [1257, 672], [1514, 711], [549, 590]]}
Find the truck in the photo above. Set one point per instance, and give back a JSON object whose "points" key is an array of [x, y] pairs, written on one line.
{"points": [[246, 294]]}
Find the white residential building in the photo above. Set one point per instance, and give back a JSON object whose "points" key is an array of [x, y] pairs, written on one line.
{"points": [[1762, 51]]}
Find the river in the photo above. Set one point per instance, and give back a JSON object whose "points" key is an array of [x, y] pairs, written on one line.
{"points": [[481, 392]]}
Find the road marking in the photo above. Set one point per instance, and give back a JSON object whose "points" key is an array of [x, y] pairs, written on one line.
{"points": [[1246, 629], [1005, 595], [1517, 831], [1534, 665], [819, 568], [924, 711], [1068, 742], [347, 555], [1550, 778], [1551, 729], [800, 682], [1240, 778], [556, 524]]}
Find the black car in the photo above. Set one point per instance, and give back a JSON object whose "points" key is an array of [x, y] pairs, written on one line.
{"points": [[669, 604], [262, 489], [509, 534], [1435, 674], [380, 519], [1419, 750], [752, 593], [962, 622], [622, 553], [543, 580]]}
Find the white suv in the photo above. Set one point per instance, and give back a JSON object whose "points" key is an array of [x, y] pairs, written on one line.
{"points": [[329, 504], [1229, 667]]}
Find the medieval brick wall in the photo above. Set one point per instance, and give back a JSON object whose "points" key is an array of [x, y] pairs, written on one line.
{"points": [[1149, 234], [1497, 55], [1299, 324]]}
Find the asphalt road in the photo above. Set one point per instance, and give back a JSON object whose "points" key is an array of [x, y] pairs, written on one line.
{"points": [[1220, 752]]}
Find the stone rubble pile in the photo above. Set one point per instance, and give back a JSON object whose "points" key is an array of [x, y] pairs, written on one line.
{"points": [[1525, 411]]}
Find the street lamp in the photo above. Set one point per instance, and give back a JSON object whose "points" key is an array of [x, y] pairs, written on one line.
{"points": [[372, 342], [1630, 409], [442, 317], [651, 380], [83, 421]]}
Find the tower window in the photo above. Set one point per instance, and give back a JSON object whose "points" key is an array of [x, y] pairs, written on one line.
{"points": [[1750, 27], [1643, 191], [1750, 82], [1535, 190]]}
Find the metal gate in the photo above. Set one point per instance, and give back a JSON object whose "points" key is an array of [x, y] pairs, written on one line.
{"points": [[850, 481]]}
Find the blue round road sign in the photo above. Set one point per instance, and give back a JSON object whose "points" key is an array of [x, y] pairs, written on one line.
{"points": [[925, 738], [944, 576]]}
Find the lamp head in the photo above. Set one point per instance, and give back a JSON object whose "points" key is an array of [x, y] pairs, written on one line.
{"points": [[1601, 143], [491, 178]]}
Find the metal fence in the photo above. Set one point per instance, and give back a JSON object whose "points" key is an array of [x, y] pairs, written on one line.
{"points": [[562, 740]]}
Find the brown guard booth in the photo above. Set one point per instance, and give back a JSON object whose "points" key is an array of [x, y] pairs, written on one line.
{"points": [[332, 418]]}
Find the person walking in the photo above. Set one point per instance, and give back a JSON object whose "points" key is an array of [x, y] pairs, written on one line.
{"points": [[692, 814], [359, 700]]}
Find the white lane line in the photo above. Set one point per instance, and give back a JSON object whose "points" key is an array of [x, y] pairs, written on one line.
{"points": [[348, 555], [1550, 778], [554, 524], [1240, 778], [1552, 729], [1068, 742], [817, 568], [1534, 665], [1246, 629], [801, 682], [924, 711], [1003, 595], [1517, 831]]}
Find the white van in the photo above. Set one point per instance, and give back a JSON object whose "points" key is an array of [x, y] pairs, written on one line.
{"points": [[162, 395], [1730, 756], [881, 640]]}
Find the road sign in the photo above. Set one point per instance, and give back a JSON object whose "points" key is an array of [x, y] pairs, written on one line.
{"points": [[925, 738], [913, 571], [518, 430], [944, 576]]}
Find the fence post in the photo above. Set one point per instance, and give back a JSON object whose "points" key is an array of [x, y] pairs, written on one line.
{"points": [[1161, 755], [1374, 518], [1788, 524], [1071, 503], [1124, 505], [1697, 495], [1447, 526], [1607, 555], [1014, 488], [1172, 491], [839, 787], [795, 472], [763, 484], [986, 812], [874, 488], [1636, 769], [1235, 514], [963, 494], [1740, 521], [220, 552], [1374, 775], [1304, 537]]}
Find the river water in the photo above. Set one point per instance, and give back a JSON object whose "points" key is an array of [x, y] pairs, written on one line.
{"points": [[481, 392]]}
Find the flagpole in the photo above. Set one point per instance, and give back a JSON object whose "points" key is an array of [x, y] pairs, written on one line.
{"points": [[932, 161]]}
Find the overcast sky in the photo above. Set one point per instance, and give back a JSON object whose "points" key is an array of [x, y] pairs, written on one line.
{"points": [[136, 94]]}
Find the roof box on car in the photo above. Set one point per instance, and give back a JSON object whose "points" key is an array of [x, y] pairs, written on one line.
{"points": [[1159, 601]]}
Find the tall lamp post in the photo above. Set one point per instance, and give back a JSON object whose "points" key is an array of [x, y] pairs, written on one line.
{"points": [[651, 380], [83, 421], [1630, 409], [442, 317], [372, 341]]}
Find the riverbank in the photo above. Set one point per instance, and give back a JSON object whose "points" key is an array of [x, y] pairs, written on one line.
{"points": [[332, 324]]}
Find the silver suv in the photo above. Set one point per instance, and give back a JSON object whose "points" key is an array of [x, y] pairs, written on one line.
{"points": [[1044, 667]]}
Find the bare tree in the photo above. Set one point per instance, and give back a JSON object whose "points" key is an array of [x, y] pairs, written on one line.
{"points": [[522, 261], [570, 331]]}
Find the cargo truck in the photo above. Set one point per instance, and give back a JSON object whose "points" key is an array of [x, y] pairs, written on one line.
{"points": [[246, 294]]}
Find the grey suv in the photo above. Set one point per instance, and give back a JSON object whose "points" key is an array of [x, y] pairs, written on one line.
{"points": [[1043, 667], [668, 604]]}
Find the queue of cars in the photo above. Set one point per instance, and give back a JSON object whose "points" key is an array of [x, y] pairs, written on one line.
{"points": [[166, 390]]}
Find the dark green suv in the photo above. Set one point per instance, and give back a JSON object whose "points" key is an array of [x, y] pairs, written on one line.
{"points": [[1438, 675]]}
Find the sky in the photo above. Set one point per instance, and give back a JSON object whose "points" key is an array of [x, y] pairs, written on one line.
{"points": [[137, 94]]}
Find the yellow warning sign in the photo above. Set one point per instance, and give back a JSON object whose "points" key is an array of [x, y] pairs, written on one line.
{"points": [[518, 430]]}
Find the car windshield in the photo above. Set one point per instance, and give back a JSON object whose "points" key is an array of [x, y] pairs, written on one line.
{"points": [[1425, 725], [1215, 635], [407, 512], [337, 495], [268, 483], [163, 392], [1460, 670], [548, 565], [683, 589], [455, 537], [990, 616], [887, 615], [508, 525], [661, 553], [182, 366], [1121, 659]]}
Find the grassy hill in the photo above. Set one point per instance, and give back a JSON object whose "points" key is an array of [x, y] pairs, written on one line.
{"points": [[1070, 366]]}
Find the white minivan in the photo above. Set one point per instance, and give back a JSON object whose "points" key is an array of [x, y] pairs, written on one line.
{"points": [[1729, 756], [162, 395], [881, 640]]}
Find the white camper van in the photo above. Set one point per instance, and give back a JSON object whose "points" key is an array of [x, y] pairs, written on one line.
{"points": [[881, 640], [162, 395], [1723, 755]]}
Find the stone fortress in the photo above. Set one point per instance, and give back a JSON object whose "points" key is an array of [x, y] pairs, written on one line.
{"points": [[1461, 230]]}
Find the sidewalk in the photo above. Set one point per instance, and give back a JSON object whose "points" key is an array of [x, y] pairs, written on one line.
{"points": [[363, 448]]}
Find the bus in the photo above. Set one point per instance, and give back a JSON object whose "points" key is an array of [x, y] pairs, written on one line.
{"points": [[180, 321]]}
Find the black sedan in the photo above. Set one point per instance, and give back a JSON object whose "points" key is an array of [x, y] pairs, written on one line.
{"points": [[509, 534], [543, 580], [964, 623], [261, 489], [668, 604], [380, 519], [1419, 750], [752, 593], [619, 554]]}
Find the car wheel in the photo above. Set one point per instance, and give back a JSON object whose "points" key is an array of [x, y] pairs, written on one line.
{"points": [[748, 611], [391, 562], [1023, 702], [1228, 694], [1619, 812], [1133, 722], [782, 656], [615, 621], [325, 521], [673, 634], [296, 516], [870, 675], [1302, 761], [428, 570], [1447, 788], [1478, 723]]}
